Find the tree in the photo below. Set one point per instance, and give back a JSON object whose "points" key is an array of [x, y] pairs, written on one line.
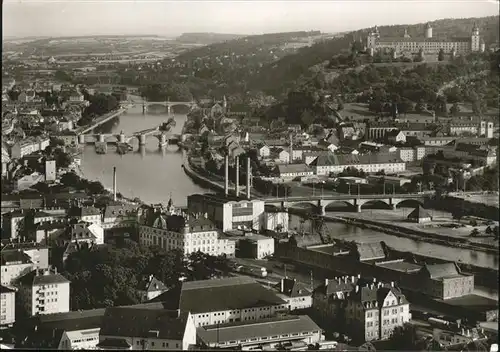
{"points": [[63, 159], [307, 118], [70, 179], [441, 55], [95, 188], [455, 109]]}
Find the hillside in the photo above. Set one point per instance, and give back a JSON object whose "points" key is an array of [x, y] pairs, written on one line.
{"points": [[276, 77], [206, 38]]}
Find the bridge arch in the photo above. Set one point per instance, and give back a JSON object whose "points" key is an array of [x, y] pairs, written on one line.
{"points": [[339, 204], [408, 203], [303, 205], [376, 204]]}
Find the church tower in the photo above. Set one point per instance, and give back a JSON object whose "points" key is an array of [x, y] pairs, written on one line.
{"points": [[372, 38], [475, 39]]}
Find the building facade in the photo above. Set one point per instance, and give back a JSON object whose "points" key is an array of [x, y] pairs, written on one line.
{"points": [[8, 306], [186, 233], [426, 44], [44, 291], [228, 214]]}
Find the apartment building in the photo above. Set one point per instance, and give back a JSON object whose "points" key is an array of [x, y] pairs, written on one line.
{"points": [[186, 233], [44, 291], [292, 171], [28, 146], [119, 216], [38, 253], [8, 306], [87, 214], [221, 301], [373, 311], [296, 294], [14, 264], [369, 163], [141, 328]]}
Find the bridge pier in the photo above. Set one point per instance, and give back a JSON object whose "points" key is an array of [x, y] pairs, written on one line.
{"points": [[100, 138], [394, 206], [142, 139], [322, 210], [121, 138], [81, 139], [358, 208], [169, 109], [144, 108], [163, 140]]}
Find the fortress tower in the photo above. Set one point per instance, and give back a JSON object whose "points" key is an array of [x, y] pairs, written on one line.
{"points": [[428, 31], [475, 44]]}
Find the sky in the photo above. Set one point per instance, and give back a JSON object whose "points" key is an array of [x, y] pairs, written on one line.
{"points": [[22, 18]]}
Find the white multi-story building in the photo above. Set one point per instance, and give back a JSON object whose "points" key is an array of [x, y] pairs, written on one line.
{"points": [[221, 301], [369, 163], [407, 154], [187, 233], [28, 146], [87, 214], [296, 294], [50, 170], [44, 291], [256, 246], [373, 311], [15, 264], [8, 306], [139, 328], [226, 213], [292, 171]]}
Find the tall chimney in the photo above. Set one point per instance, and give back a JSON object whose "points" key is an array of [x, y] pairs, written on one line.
{"points": [[291, 150], [249, 176], [237, 166], [226, 175], [114, 183]]}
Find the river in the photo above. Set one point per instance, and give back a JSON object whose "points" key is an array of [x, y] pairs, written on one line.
{"points": [[152, 175], [148, 173], [360, 235]]}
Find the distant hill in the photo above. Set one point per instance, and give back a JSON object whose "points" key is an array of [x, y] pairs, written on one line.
{"points": [[277, 76], [206, 38]]}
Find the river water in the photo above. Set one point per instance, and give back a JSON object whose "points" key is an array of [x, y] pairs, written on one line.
{"points": [[153, 175], [149, 173]]}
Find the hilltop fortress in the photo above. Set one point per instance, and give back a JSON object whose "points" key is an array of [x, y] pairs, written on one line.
{"points": [[425, 44]]}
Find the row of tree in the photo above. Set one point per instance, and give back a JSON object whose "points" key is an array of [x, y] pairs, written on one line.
{"points": [[112, 275]]}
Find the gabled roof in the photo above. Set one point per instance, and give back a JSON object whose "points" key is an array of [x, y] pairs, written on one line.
{"points": [[419, 213], [151, 284], [143, 323], [34, 278], [13, 256], [221, 294], [293, 168], [440, 271], [292, 288], [370, 251]]}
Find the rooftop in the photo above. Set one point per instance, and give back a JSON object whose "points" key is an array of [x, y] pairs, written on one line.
{"points": [[42, 277], [262, 328], [400, 266], [143, 323], [219, 295]]}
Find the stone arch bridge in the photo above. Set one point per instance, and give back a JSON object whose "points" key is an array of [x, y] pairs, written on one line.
{"points": [[320, 203], [168, 104], [164, 138]]}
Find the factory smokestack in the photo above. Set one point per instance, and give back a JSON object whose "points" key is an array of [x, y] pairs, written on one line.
{"points": [[226, 175], [249, 176], [237, 166], [291, 150], [114, 183]]}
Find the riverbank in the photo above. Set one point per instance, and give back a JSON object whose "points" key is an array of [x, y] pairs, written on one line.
{"points": [[415, 234]]}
